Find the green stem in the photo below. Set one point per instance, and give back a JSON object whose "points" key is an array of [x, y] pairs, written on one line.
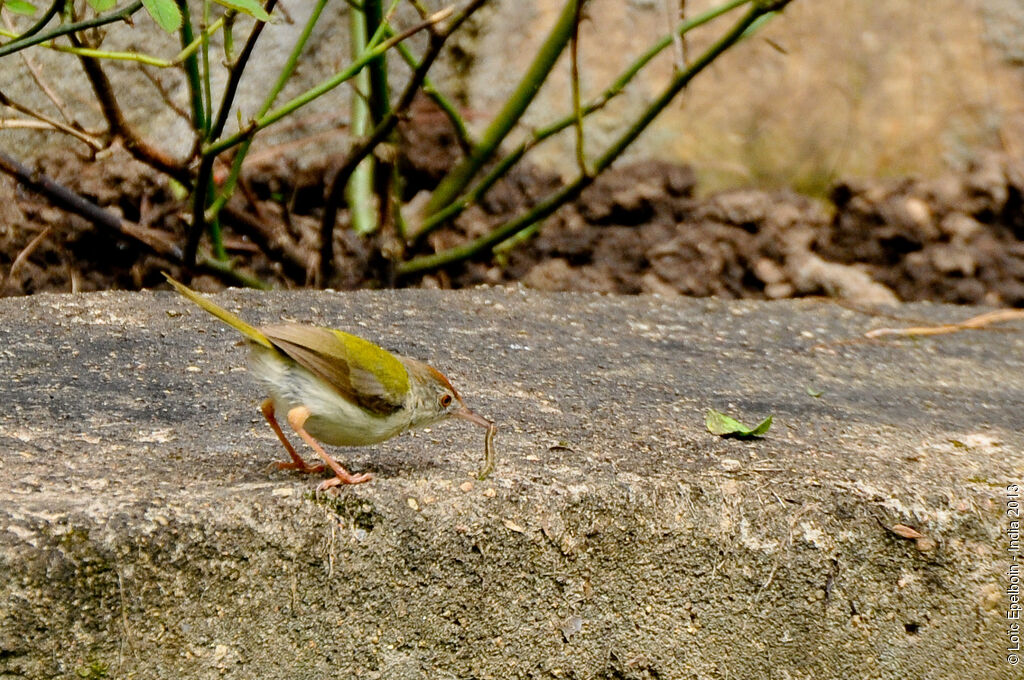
{"points": [[231, 182], [472, 196], [457, 180], [229, 36], [306, 97], [200, 119], [577, 107], [359, 191], [573, 190], [146, 59], [29, 41], [438, 98], [50, 13], [435, 220], [468, 250], [204, 185], [373, 16], [204, 51]]}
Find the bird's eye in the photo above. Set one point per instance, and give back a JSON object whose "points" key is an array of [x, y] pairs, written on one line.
{"points": [[446, 400]]}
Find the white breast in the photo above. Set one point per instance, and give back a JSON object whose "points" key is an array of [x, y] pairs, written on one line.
{"points": [[333, 419]]}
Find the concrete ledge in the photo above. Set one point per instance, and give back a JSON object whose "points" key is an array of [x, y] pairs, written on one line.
{"points": [[141, 534]]}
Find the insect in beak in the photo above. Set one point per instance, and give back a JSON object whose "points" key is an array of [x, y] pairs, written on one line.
{"points": [[466, 414]]}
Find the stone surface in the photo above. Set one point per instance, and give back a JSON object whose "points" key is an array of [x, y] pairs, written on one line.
{"points": [[142, 535]]}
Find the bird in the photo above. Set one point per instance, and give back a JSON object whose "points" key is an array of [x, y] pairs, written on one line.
{"points": [[342, 390]]}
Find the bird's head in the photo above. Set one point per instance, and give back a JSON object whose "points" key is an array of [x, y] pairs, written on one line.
{"points": [[433, 398]]}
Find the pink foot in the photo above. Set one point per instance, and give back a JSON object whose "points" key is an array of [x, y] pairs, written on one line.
{"points": [[301, 466], [348, 479]]}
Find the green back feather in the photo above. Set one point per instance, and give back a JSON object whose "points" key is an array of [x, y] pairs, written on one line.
{"points": [[359, 370]]}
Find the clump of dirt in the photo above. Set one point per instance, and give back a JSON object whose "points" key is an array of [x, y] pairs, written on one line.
{"points": [[958, 238], [640, 228], [43, 248]]}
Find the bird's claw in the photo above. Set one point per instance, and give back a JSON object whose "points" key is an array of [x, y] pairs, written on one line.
{"points": [[338, 481], [301, 467]]}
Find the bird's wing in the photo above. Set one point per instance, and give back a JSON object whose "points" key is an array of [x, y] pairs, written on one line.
{"points": [[358, 369]]}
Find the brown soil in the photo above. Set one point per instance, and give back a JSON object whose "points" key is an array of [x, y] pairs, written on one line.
{"points": [[638, 229]]}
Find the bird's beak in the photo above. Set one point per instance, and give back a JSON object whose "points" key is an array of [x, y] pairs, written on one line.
{"points": [[473, 417]]}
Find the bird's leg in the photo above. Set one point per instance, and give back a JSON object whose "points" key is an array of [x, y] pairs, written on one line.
{"points": [[267, 407], [297, 418]]}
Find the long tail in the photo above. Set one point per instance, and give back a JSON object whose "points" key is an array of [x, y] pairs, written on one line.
{"points": [[224, 315]]}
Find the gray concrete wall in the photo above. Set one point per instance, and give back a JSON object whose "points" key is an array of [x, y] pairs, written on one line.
{"points": [[142, 535]]}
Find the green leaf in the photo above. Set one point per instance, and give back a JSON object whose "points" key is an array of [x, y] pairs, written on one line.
{"points": [[726, 426], [19, 7], [813, 392], [250, 7], [165, 13], [758, 24], [102, 5]]}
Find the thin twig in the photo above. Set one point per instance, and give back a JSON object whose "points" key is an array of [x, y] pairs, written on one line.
{"points": [[66, 199], [572, 190], [33, 69], [22, 256], [384, 128], [83, 137], [24, 124], [235, 74], [974, 323], [679, 58], [204, 175], [683, 44], [165, 95], [118, 124], [24, 41], [430, 89], [577, 109]]}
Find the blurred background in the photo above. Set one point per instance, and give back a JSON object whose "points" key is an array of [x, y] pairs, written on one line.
{"points": [[827, 90], [864, 150]]}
